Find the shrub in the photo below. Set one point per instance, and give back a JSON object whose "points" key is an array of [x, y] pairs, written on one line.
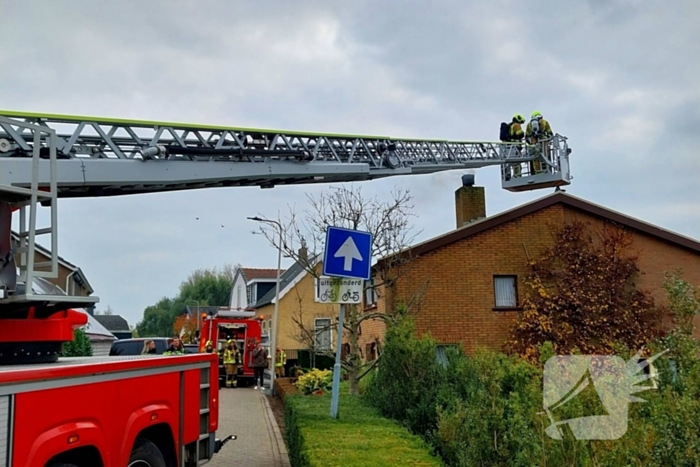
{"points": [[487, 411], [79, 347], [405, 386], [315, 380]]}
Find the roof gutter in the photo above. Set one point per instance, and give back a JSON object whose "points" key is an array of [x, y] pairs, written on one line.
{"points": [[68, 279]]}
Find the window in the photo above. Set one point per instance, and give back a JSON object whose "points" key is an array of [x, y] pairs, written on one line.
{"points": [[505, 291], [371, 351], [239, 297], [370, 293], [441, 354], [322, 329]]}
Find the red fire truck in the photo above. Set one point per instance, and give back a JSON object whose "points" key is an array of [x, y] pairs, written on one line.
{"points": [[158, 411], [241, 327]]}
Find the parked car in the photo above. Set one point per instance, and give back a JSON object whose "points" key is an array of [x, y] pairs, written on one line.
{"points": [[191, 348], [135, 346]]}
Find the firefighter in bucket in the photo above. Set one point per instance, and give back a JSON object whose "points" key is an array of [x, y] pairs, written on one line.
{"points": [[232, 358]]}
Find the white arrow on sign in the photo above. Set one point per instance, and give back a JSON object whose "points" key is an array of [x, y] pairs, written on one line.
{"points": [[349, 251]]}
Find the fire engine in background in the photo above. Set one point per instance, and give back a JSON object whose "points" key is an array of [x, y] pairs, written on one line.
{"points": [[241, 327], [160, 411]]}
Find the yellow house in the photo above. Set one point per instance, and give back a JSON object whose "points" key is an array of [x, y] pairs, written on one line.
{"points": [[302, 320]]}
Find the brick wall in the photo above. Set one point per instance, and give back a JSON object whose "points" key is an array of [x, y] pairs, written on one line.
{"points": [[458, 302]]}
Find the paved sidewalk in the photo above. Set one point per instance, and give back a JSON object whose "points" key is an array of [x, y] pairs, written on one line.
{"points": [[245, 412]]}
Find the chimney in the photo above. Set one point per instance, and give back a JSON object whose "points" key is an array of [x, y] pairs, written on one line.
{"points": [[470, 201], [303, 254]]}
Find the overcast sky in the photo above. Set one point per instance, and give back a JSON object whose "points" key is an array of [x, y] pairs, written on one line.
{"points": [[621, 79]]}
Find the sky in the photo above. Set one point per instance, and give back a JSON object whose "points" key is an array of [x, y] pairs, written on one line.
{"points": [[619, 78]]}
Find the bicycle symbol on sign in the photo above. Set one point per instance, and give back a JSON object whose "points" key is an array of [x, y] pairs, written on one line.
{"points": [[329, 295]]}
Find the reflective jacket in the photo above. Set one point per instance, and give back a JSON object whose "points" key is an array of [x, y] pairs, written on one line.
{"points": [[545, 130], [282, 359], [516, 132], [231, 357]]}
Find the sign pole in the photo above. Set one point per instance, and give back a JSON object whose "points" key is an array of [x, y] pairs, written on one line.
{"points": [[336, 367]]}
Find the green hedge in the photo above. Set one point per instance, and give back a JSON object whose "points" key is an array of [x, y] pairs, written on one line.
{"points": [[487, 409], [359, 437]]}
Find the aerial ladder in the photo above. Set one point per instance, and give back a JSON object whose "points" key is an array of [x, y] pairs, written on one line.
{"points": [[44, 157]]}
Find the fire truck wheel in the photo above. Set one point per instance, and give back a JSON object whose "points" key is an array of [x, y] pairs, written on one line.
{"points": [[146, 454], [63, 465]]}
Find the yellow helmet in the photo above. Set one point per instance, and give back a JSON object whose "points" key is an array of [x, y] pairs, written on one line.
{"points": [[519, 118], [536, 114], [208, 344]]}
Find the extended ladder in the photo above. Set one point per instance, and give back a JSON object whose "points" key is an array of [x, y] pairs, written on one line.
{"points": [[107, 157]]}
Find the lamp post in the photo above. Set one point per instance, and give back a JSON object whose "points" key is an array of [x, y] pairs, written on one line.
{"points": [[273, 338]]}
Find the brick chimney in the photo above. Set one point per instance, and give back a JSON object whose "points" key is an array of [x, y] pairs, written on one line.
{"points": [[303, 254], [470, 201]]}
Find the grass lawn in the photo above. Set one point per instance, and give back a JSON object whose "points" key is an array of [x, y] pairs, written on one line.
{"points": [[359, 437]]}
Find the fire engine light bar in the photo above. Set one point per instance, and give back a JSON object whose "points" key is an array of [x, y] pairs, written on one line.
{"points": [[235, 314]]}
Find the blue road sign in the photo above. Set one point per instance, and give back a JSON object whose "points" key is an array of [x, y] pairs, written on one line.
{"points": [[348, 253]]}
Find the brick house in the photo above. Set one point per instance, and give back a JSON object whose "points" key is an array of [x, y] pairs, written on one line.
{"points": [[472, 277]]}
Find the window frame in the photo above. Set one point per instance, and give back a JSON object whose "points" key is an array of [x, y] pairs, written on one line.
{"points": [[370, 289], [514, 307], [330, 333]]}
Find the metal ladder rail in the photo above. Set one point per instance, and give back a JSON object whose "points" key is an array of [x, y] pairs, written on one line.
{"points": [[30, 197], [110, 139]]}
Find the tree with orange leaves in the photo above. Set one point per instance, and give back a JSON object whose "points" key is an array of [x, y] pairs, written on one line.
{"points": [[583, 297], [187, 326]]}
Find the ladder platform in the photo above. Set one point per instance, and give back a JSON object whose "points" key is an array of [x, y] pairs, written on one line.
{"points": [[535, 182]]}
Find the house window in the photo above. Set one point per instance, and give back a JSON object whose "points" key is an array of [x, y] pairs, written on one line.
{"points": [[239, 297], [322, 329], [441, 354], [370, 293], [371, 351], [505, 291], [249, 293]]}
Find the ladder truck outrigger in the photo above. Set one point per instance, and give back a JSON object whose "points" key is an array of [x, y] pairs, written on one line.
{"points": [[160, 410]]}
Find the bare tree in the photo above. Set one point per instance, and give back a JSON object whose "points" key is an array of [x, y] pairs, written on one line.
{"points": [[389, 222], [106, 312]]}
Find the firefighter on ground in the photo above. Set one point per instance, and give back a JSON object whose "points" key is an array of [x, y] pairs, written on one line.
{"points": [[209, 348], [231, 362], [280, 362], [538, 130]]}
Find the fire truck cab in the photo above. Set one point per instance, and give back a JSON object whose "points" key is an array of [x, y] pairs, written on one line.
{"points": [[241, 327]]}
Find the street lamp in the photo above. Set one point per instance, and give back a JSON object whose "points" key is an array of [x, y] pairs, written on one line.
{"points": [[273, 338]]}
